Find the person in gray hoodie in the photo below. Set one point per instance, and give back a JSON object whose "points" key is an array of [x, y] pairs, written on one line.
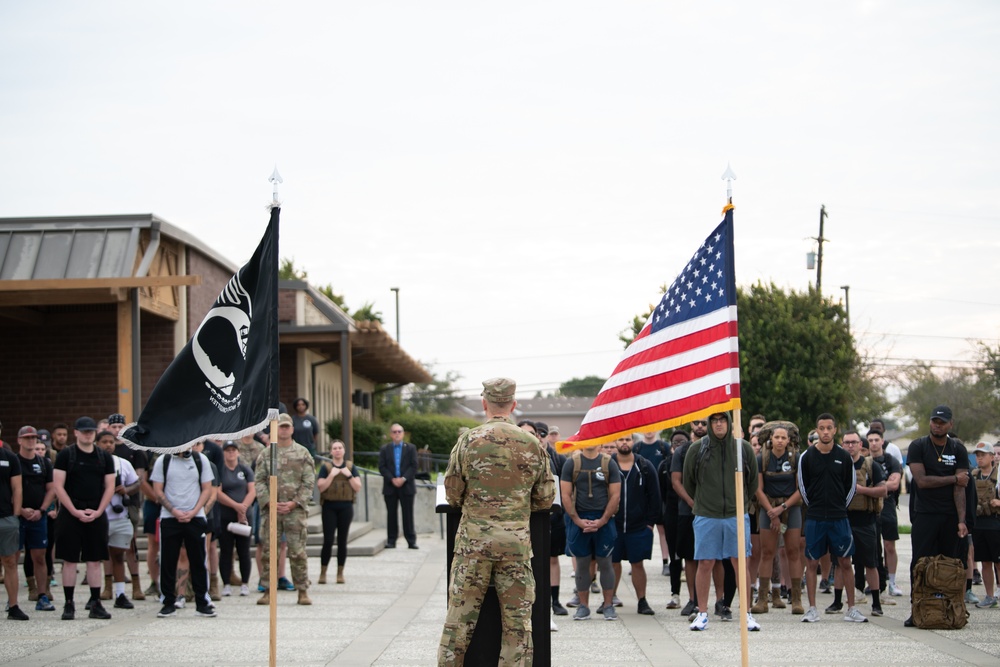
{"points": [[710, 478]]}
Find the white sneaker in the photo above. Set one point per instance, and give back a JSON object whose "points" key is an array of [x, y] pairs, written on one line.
{"points": [[812, 616], [179, 602], [854, 616], [244, 590], [227, 591], [752, 625], [552, 625], [700, 621], [895, 590]]}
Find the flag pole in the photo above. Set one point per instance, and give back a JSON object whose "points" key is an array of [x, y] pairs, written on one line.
{"points": [[272, 509], [741, 540]]}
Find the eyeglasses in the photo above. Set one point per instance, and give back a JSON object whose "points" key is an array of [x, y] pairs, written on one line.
{"points": [[395, 431], [700, 422], [852, 442]]}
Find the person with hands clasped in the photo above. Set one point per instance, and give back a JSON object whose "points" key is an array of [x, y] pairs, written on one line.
{"points": [[338, 485]]}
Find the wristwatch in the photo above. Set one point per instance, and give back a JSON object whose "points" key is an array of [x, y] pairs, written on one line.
{"points": [[784, 506]]}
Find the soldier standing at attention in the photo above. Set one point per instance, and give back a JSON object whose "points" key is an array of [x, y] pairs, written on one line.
{"points": [[296, 477], [498, 474]]}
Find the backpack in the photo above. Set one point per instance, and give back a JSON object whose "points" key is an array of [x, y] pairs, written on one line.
{"points": [[339, 489], [939, 593], [102, 456], [166, 464], [860, 503], [576, 458]]}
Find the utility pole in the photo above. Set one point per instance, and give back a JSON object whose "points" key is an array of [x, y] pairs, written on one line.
{"points": [[847, 303], [396, 290], [819, 258]]}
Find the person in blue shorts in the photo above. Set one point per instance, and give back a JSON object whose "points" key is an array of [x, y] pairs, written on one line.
{"points": [[827, 483], [638, 512]]}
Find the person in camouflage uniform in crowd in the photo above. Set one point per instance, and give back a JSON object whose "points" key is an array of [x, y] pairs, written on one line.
{"points": [[498, 474], [296, 477]]}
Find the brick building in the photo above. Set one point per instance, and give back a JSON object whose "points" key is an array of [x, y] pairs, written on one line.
{"points": [[94, 308]]}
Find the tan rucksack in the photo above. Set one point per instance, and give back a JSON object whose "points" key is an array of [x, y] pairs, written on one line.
{"points": [[939, 593]]}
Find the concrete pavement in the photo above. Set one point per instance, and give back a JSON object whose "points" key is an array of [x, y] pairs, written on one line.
{"points": [[392, 607]]}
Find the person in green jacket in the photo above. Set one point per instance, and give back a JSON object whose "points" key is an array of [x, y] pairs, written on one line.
{"points": [[710, 478]]}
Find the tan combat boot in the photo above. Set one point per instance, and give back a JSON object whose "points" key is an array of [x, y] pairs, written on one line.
{"points": [[776, 600], [32, 589], [322, 574], [108, 592], [340, 574], [760, 607], [796, 593], [304, 597], [213, 588], [137, 593], [265, 598]]}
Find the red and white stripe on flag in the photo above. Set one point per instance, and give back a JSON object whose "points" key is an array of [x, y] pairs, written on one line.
{"points": [[684, 364]]}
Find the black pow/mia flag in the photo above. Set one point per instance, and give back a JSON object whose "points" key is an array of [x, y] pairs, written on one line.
{"points": [[224, 383]]}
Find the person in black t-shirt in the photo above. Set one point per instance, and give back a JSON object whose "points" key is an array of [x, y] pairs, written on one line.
{"points": [[940, 467], [140, 463], [84, 479], [862, 514], [887, 524], [36, 485], [10, 509]]}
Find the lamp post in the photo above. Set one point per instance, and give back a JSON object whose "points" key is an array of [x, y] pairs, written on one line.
{"points": [[396, 290]]}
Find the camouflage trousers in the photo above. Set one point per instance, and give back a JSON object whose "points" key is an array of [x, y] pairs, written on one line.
{"points": [[293, 526], [515, 586]]}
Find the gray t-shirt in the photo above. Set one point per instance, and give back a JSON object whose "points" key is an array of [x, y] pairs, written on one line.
{"points": [[591, 487], [234, 482], [183, 487]]}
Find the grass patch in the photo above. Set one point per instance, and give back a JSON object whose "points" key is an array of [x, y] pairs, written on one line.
{"points": [[904, 529]]}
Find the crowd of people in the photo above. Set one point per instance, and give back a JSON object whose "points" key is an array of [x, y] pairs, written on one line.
{"points": [[820, 516], [83, 499]]}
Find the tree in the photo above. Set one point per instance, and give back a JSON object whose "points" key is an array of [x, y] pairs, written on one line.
{"points": [[971, 393], [288, 270], [436, 397], [367, 312], [582, 387], [327, 291], [797, 358]]}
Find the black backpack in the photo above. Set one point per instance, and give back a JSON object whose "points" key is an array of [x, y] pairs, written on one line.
{"points": [[166, 464]]}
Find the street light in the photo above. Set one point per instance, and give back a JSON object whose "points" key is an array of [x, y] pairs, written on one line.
{"points": [[847, 303], [396, 290]]}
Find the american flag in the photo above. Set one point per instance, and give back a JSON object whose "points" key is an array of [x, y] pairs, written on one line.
{"points": [[685, 363]]}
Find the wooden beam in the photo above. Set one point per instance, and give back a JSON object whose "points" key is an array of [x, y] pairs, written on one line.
{"points": [[160, 308], [94, 283], [125, 387], [58, 298]]}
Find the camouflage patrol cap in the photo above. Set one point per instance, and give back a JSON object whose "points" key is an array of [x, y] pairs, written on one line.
{"points": [[499, 390]]}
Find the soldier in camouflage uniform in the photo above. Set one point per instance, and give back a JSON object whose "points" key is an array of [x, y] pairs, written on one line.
{"points": [[498, 475], [296, 476]]}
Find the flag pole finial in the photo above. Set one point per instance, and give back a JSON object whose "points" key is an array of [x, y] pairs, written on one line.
{"points": [[275, 179], [729, 176]]}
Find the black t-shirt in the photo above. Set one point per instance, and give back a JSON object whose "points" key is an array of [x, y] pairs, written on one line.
{"points": [[85, 482], [677, 465], [213, 453], [826, 482], [137, 457], [779, 479], [9, 467], [860, 517], [36, 473], [938, 462]]}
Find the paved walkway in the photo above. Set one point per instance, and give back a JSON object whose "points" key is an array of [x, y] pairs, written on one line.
{"points": [[392, 607]]}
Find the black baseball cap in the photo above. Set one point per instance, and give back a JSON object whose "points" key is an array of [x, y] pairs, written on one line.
{"points": [[85, 424], [542, 429], [942, 412]]}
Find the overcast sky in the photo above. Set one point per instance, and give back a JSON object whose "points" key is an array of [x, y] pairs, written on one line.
{"points": [[529, 173]]}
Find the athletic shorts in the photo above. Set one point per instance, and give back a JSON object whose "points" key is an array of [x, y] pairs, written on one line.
{"points": [[10, 535], [987, 545], [78, 542], [794, 518], [865, 545], [715, 539], [557, 535], [890, 530], [833, 537], [34, 534], [150, 513], [634, 546], [120, 533], [600, 543], [685, 536]]}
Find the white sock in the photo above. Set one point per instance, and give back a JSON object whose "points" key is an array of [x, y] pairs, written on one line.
{"points": [[119, 588], [892, 579]]}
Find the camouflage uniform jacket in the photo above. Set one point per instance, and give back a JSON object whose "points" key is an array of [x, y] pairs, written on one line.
{"points": [[498, 475], [249, 453], [296, 475]]}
